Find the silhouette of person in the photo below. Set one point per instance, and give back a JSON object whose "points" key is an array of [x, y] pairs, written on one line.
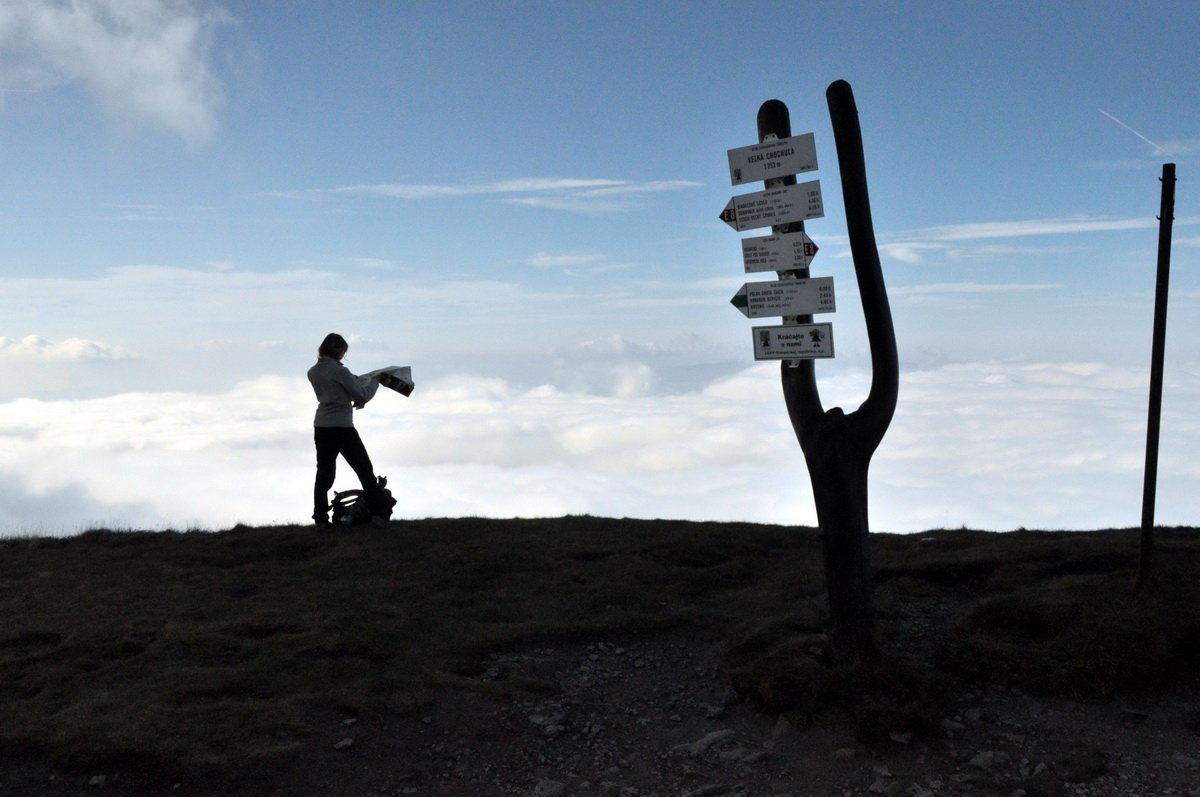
{"points": [[338, 395]]}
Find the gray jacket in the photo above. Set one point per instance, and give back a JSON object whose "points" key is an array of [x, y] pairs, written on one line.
{"points": [[338, 392]]}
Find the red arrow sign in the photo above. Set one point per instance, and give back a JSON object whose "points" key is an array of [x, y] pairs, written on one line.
{"points": [[780, 205], [783, 252]]}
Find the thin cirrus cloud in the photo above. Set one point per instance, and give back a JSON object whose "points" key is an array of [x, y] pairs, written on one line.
{"points": [[144, 63], [1027, 227], [575, 263], [582, 195], [961, 288], [913, 247]]}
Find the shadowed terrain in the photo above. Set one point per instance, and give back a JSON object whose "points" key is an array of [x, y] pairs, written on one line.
{"points": [[169, 651]]}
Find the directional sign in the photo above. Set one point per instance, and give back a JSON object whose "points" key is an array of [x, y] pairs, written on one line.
{"points": [[785, 297], [777, 252], [782, 205], [772, 159], [798, 342]]}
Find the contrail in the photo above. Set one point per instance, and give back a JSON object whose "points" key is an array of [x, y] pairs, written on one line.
{"points": [[1158, 150]]}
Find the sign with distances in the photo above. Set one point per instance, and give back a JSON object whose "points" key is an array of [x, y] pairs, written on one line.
{"points": [[781, 205], [777, 252], [796, 342], [785, 297], [772, 159]]}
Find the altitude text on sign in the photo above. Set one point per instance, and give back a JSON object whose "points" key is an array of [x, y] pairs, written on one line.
{"points": [[772, 159]]}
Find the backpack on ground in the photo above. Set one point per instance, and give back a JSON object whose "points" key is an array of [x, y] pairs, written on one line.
{"points": [[351, 508]]}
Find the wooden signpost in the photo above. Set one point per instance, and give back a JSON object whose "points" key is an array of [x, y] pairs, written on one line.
{"points": [[837, 445], [783, 205]]}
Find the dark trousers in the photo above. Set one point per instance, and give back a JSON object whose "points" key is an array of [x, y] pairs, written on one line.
{"points": [[344, 440]]}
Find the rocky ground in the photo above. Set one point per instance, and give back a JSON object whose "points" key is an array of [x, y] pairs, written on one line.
{"points": [[648, 717]]}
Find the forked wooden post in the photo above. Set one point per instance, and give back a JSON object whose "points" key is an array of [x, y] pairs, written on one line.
{"points": [[838, 446]]}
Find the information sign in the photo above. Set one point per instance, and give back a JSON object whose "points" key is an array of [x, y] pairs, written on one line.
{"points": [[773, 159], [777, 252], [782, 205], [785, 297], [796, 342]]}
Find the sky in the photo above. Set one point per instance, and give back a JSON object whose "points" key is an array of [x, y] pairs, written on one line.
{"points": [[521, 200]]}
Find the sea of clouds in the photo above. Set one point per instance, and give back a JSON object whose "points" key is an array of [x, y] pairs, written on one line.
{"points": [[997, 445]]}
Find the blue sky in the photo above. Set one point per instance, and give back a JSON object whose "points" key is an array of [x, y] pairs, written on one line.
{"points": [[520, 201]]}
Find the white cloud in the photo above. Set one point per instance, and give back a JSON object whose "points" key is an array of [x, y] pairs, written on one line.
{"points": [[158, 294], [35, 347], [907, 252], [202, 327], [617, 344], [964, 243], [994, 445], [1026, 227], [961, 288], [575, 194], [522, 185], [144, 61], [184, 460], [1046, 445], [564, 261]]}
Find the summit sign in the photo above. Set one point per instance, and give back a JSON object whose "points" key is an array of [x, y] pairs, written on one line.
{"points": [[773, 159]]}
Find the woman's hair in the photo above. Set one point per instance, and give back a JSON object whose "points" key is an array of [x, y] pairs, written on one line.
{"points": [[334, 346]]}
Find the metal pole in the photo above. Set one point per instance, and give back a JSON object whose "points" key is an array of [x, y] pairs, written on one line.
{"points": [[1149, 487]]}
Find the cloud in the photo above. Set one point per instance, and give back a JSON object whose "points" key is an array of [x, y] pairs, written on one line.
{"points": [[1027, 227], [614, 197], [154, 292], [566, 261], [1181, 147], [35, 347], [906, 252], [58, 511], [184, 459], [576, 263], [200, 326], [1041, 445], [582, 195], [617, 365], [961, 241], [940, 289], [990, 444], [145, 62]]}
